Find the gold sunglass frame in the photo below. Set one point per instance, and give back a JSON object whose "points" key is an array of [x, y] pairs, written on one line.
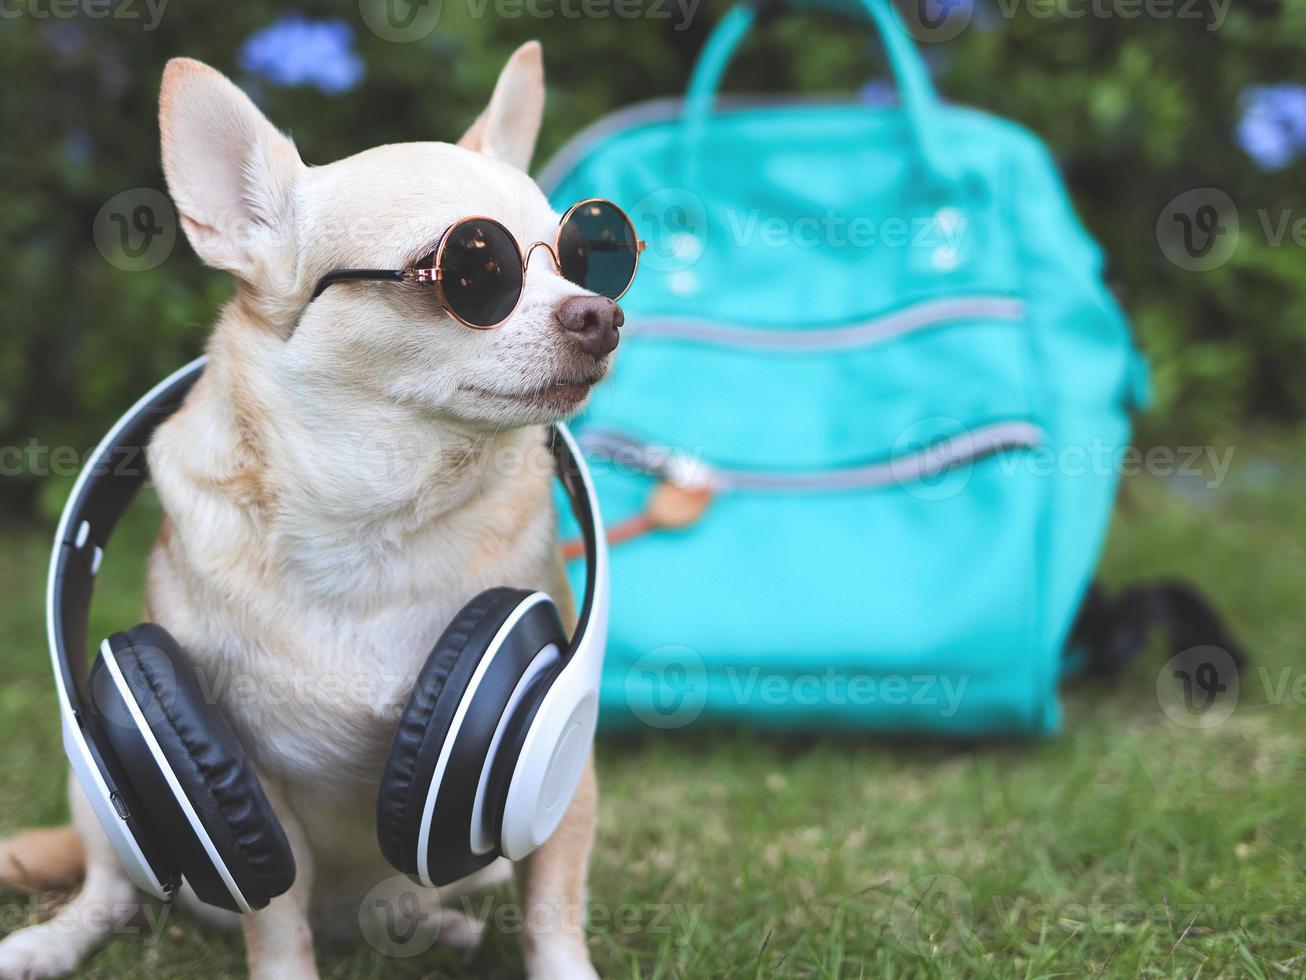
{"points": [[433, 273]]}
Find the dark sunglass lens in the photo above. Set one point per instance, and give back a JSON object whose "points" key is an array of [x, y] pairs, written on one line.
{"points": [[480, 272], [597, 248]]}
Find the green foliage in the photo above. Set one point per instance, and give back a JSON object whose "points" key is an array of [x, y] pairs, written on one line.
{"points": [[1137, 109], [1138, 112]]}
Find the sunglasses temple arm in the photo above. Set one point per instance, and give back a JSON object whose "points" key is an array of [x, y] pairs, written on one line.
{"points": [[359, 275]]}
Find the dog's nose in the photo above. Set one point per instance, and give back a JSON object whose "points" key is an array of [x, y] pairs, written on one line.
{"points": [[594, 321]]}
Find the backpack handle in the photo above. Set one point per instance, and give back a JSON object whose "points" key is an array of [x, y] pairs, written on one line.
{"points": [[909, 72]]}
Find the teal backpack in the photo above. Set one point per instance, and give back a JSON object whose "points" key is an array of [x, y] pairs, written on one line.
{"points": [[863, 428]]}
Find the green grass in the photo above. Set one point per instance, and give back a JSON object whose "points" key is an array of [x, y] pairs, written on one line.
{"points": [[1131, 846]]}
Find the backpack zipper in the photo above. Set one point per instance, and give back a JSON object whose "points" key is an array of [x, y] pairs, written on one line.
{"points": [[682, 469], [687, 486], [909, 319]]}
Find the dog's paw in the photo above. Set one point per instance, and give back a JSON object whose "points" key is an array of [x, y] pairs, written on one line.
{"points": [[560, 964], [36, 953], [460, 932]]}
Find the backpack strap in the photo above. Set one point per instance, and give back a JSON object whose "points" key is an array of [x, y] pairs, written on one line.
{"points": [[1112, 630], [912, 77]]}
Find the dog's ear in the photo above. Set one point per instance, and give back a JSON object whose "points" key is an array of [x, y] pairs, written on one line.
{"points": [[231, 174], [509, 125]]}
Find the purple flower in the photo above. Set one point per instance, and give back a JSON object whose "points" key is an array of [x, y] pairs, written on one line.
{"points": [[1272, 129], [298, 51], [879, 92]]}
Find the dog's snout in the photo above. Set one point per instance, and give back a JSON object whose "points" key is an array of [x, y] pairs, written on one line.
{"points": [[594, 321]]}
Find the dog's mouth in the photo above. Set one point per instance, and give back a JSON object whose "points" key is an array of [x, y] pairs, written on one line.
{"points": [[561, 394]]}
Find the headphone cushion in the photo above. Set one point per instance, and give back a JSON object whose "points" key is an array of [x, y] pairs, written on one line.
{"points": [[208, 761], [424, 723]]}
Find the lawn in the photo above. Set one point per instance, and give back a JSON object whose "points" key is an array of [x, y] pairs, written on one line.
{"points": [[1131, 846]]}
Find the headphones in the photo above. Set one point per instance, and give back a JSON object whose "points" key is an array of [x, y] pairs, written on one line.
{"points": [[487, 755]]}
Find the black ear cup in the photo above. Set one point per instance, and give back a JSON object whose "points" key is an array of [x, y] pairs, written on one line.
{"points": [[424, 723], [247, 851], [431, 718]]}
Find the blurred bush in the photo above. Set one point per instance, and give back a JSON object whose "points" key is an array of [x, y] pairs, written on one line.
{"points": [[1139, 109]]}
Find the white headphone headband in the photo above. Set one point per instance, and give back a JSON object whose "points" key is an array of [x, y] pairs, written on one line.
{"points": [[117, 470]]}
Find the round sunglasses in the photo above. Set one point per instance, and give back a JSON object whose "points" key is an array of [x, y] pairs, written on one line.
{"points": [[479, 270]]}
